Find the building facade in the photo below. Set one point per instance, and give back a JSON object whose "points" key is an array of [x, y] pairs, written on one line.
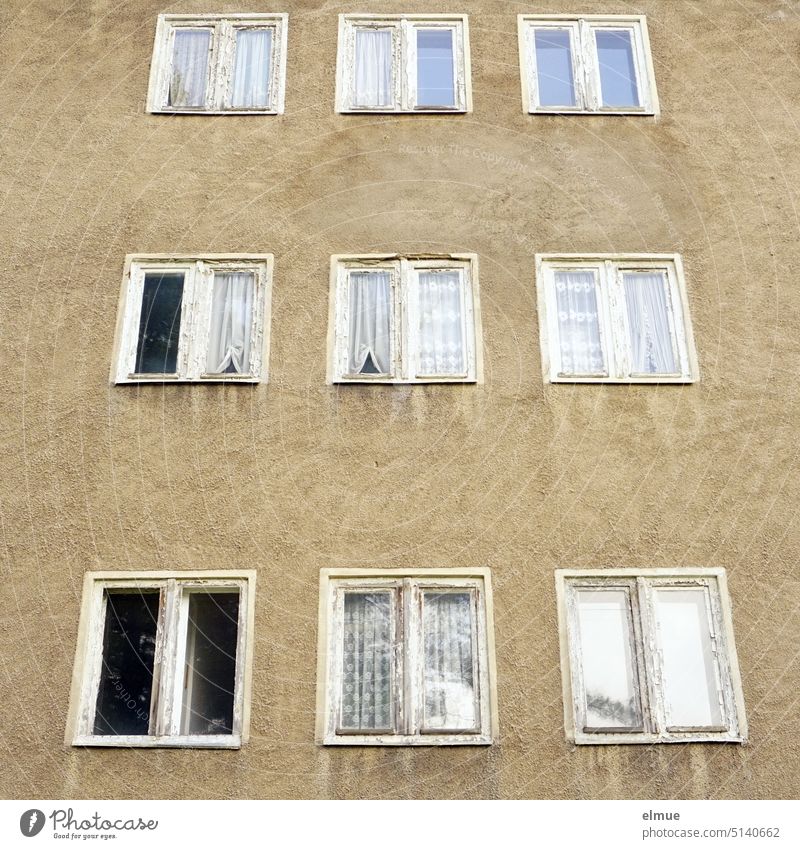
{"points": [[341, 459]]}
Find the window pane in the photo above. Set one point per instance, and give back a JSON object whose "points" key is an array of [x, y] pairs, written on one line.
{"points": [[554, 76], [187, 85], [648, 306], [210, 672], [617, 67], [159, 324], [231, 323], [441, 323], [373, 83], [126, 677], [252, 68], [607, 664], [449, 663], [370, 317], [689, 662], [367, 662], [580, 346], [435, 82]]}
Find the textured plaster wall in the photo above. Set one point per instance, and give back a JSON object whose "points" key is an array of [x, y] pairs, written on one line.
{"points": [[295, 475]]}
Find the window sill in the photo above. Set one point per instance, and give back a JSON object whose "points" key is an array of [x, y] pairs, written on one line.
{"points": [[214, 112], [401, 740], [210, 741], [649, 739], [679, 381]]}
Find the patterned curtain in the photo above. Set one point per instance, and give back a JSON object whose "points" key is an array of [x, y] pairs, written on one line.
{"points": [[441, 323], [578, 323]]}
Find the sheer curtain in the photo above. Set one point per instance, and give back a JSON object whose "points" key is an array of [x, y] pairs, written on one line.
{"points": [[373, 68], [648, 308], [252, 69], [449, 679], [441, 323], [370, 302], [187, 86], [578, 323], [366, 661], [231, 320]]}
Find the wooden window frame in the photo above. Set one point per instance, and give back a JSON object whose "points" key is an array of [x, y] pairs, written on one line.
{"points": [[586, 70], [641, 583], [404, 343], [613, 316], [404, 66], [408, 668], [165, 701], [195, 316], [221, 62]]}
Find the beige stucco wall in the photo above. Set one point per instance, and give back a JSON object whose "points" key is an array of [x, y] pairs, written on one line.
{"points": [[295, 475]]}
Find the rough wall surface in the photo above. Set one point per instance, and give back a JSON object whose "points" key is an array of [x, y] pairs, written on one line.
{"points": [[294, 475]]}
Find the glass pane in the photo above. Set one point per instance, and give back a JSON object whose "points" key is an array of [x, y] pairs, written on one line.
{"points": [[126, 677], [441, 323], [367, 662], [187, 85], [210, 672], [435, 82], [449, 664], [159, 324], [607, 663], [648, 306], [231, 323], [579, 323], [617, 67], [373, 83], [689, 663], [554, 76], [370, 315], [252, 69]]}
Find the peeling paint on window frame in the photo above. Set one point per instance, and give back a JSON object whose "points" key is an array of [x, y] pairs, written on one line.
{"points": [[640, 583]]}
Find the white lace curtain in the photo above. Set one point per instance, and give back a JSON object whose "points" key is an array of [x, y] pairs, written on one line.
{"points": [[373, 67], [578, 323], [187, 85], [441, 323], [252, 69], [647, 303], [231, 321], [370, 309], [449, 678], [366, 660]]}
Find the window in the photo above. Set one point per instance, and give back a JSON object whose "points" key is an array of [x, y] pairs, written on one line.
{"points": [[615, 319], [163, 659], [648, 656], [218, 64], [406, 658], [190, 319], [586, 64], [403, 63], [404, 319]]}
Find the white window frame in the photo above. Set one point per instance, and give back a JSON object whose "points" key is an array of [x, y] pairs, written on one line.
{"points": [[640, 584], [195, 316], [586, 70], [407, 690], [169, 659], [404, 65], [222, 53], [405, 316], [613, 316]]}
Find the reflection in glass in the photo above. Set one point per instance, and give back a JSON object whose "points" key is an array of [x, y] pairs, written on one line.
{"points": [[210, 671], [617, 68], [609, 676], [689, 662], [554, 77], [126, 676], [367, 662], [159, 323], [449, 663], [435, 78]]}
